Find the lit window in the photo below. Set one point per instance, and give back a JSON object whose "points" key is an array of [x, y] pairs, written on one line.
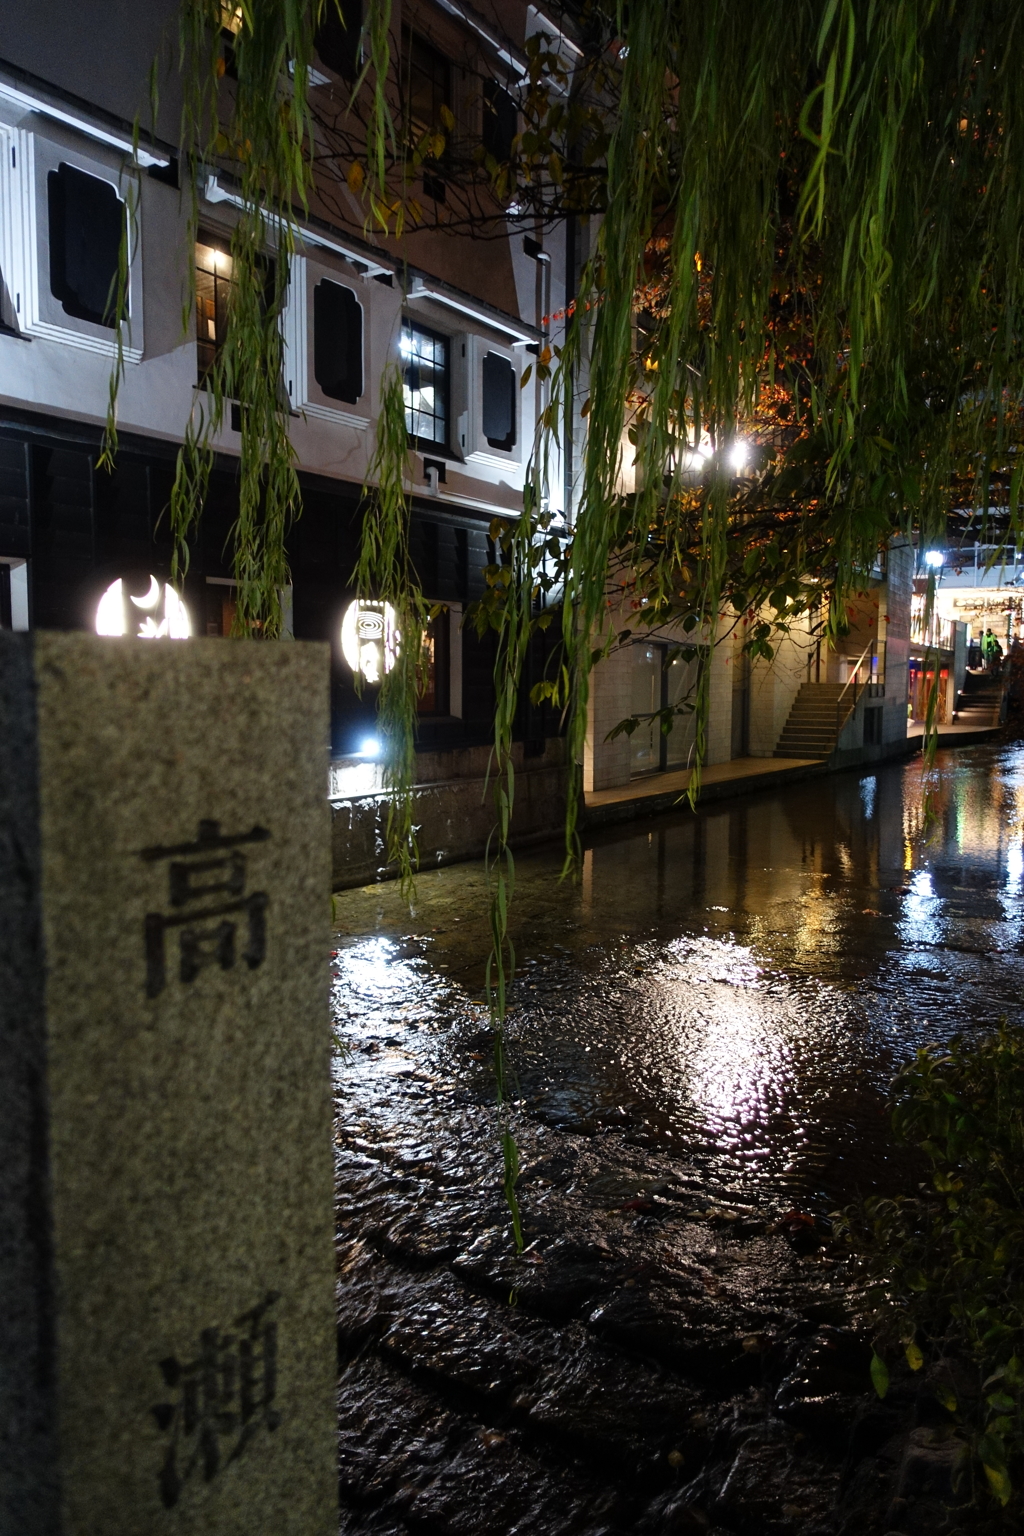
{"points": [[425, 377], [214, 276], [87, 221], [434, 690]]}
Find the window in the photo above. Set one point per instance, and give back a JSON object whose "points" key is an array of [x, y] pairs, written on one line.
{"points": [[499, 401], [661, 678], [425, 377], [427, 81], [337, 341], [501, 120], [214, 275], [87, 221], [433, 698], [338, 36]]}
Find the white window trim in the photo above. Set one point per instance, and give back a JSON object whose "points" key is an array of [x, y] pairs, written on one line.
{"points": [[18, 568], [82, 125], [298, 325], [473, 445], [22, 218]]}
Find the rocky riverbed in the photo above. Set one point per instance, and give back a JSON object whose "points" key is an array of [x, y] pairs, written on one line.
{"points": [[701, 1078]]}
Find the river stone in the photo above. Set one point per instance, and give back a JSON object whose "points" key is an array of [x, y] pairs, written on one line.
{"points": [[166, 1331]]}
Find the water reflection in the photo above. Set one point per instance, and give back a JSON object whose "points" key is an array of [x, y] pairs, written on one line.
{"points": [[739, 984]]}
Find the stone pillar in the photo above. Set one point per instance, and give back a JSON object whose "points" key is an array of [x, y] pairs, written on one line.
{"points": [[166, 1331]]}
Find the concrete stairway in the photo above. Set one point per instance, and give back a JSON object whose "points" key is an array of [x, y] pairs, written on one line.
{"points": [[812, 728], [980, 700]]}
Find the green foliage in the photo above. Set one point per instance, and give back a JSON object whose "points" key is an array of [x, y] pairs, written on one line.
{"points": [[944, 1266], [258, 130], [385, 574]]}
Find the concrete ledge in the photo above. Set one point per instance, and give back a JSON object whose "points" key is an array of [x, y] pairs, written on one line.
{"points": [[956, 736], [663, 792], [453, 819]]}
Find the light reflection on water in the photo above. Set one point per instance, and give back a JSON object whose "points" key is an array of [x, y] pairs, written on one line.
{"points": [[738, 985]]}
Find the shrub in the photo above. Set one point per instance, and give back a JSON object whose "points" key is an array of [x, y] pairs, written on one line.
{"points": [[946, 1266]]}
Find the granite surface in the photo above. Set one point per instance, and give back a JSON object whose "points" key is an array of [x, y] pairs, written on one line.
{"points": [[183, 878]]}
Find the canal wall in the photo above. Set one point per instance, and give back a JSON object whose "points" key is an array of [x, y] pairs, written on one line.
{"points": [[453, 809]]}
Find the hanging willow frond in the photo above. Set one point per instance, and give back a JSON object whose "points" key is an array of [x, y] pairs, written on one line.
{"points": [[258, 128], [385, 574]]}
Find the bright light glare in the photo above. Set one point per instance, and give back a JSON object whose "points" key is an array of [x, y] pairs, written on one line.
{"points": [[369, 747], [370, 639], [406, 346], [739, 453], [115, 617], [933, 557]]}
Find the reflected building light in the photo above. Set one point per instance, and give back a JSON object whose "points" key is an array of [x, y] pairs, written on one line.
{"points": [[868, 789], [1014, 867], [158, 614], [370, 639]]}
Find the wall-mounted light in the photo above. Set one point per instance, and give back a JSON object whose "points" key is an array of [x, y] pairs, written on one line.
{"points": [[933, 557], [157, 615], [370, 639], [739, 454]]}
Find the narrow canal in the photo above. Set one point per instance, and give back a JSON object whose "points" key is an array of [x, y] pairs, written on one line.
{"points": [[702, 1031]]}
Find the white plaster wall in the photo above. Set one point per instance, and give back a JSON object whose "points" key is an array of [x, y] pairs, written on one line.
{"points": [[158, 393], [606, 764], [773, 687], [719, 730]]}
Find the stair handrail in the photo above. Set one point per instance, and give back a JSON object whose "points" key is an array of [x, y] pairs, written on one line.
{"points": [[852, 679]]}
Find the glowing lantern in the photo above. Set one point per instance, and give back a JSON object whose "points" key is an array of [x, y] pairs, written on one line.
{"points": [[157, 614], [370, 639]]}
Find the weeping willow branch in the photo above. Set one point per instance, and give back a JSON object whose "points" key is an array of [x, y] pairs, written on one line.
{"points": [[384, 574]]}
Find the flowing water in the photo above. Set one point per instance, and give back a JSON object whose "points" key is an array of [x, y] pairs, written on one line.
{"points": [[703, 1028], [737, 985]]}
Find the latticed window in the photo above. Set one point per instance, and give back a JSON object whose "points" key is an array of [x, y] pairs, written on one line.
{"points": [[214, 276], [425, 379]]}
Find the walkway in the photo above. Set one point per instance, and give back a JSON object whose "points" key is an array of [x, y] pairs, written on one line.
{"points": [[663, 791]]}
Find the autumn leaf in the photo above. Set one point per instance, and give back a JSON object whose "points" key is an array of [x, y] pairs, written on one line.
{"points": [[447, 117], [356, 177]]}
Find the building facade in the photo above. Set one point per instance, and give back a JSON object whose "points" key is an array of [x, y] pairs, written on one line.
{"points": [[463, 312]]}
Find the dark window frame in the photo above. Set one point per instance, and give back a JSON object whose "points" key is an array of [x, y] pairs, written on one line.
{"points": [[68, 267], [425, 71], [500, 121], [351, 391], [337, 40], [429, 444], [508, 442]]}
